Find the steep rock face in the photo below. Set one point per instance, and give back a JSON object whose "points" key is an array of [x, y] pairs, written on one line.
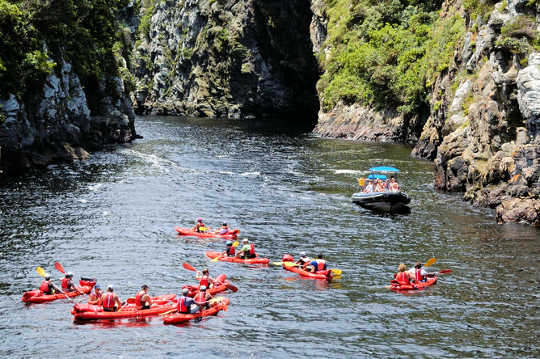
{"points": [[57, 125], [235, 59], [483, 131]]}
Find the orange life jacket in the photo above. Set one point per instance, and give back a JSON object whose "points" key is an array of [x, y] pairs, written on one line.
{"points": [[403, 278], [108, 300]]}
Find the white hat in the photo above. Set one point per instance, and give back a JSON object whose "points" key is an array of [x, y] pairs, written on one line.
{"points": [[110, 287], [245, 240], [302, 254]]}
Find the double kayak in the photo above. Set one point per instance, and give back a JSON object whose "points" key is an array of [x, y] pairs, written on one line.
{"points": [[221, 284], [322, 274], [190, 232], [160, 304], [395, 285], [37, 296], [178, 318], [256, 260]]}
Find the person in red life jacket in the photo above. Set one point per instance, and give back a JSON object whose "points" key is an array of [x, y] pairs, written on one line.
{"points": [[317, 264], [403, 276], [48, 287], [202, 298], [95, 296], [142, 299], [247, 251], [304, 260], [204, 277], [223, 230], [67, 283], [418, 272], [110, 301], [186, 304], [199, 226], [230, 250]]}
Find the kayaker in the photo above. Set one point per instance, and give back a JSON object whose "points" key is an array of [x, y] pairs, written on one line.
{"points": [[205, 279], [67, 283], [95, 297], [202, 298], [418, 272], [317, 264], [403, 276], [393, 186], [229, 250], [304, 259], [142, 299], [186, 304], [110, 301], [48, 287], [247, 251], [223, 230], [199, 226]]}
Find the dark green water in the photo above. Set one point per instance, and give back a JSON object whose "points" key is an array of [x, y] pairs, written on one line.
{"points": [[113, 218]]}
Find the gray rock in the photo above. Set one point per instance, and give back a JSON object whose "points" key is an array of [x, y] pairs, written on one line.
{"points": [[528, 83]]}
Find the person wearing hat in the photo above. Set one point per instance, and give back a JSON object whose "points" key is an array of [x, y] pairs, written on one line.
{"points": [[199, 226], [186, 304], [95, 296], [47, 286], [418, 272], [110, 301], [67, 283], [202, 298], [204, 277], [142, 299], [223, 230], [247, 251], [304, 259], [229, 250]]}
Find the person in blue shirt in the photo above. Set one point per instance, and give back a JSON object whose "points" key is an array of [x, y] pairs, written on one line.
{"points": [[317, 264]]}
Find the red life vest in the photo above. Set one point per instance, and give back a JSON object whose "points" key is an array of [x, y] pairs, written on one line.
{"points": [[403, 278], [204, 281], [108, 300], [182, 307], [230, 251], [321, 264], [44, 286], [65, 283], [418, 274], [200, 297], [251, 249], [138, 297]]}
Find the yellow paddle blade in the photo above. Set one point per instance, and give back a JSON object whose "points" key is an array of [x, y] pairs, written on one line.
{"points": [[430, 262], [336, 272], [277, 263], [235, 244], [215, 300], [217, 258], [40, 271], [290, 264]]}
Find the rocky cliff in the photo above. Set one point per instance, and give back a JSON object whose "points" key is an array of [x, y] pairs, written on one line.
{"points": [[242, 59]]}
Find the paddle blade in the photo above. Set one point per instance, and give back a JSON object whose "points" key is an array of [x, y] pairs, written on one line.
{"points": [[232, 287], [216, 259], [445, 271], [430, 262], [188, 266], [277, 263], [215, 300], [40, 271], [235, 244], [290, 264], [59, 267], [336, 272]]}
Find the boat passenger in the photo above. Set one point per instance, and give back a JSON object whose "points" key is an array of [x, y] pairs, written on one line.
{"points": [[223, 230], [67, 283], [304, 260], [247, 251], [47, 286], [369, 188], [317, 264], [379, 186], [229, 251], [418, 272], [201, 298], [95, 297], [142, 299], [110, 301], [186, 304], [199, 226], [393, 186], [403, 276], [205, 279]]}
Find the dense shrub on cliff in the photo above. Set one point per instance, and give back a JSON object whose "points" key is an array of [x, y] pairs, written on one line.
{"points": [[37, 33]]}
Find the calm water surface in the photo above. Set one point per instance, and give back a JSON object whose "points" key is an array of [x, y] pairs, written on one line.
{"points": [[113, 218]]}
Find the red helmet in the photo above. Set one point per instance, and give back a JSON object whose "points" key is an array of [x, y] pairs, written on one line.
{"points": [[287, 258]]}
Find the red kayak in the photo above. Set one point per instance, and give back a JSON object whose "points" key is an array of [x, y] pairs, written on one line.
{"points": [[182, 318], [221, 284], [395, 285], [190, 232], [256, 260], [322, 274], [37, 296], [160, 304]]}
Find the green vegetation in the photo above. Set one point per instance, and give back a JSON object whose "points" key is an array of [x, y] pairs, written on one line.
{"points": [[37, 35]]}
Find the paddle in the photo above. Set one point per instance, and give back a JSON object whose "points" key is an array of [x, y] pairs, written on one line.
{"points": [[188, 266], [444, 271], [169, 311], [336, 272], [234, 245], [42, 273], [59, 267], [430, 262], [232, 287], [215, 300]]}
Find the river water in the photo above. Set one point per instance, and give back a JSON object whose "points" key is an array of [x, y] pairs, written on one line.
{"points": [[113, 216]]}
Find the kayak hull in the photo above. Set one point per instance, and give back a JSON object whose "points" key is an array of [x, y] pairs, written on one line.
{"points": [[189, 232], [256, 260], [221, 284], [416, 286], [37, 296], [323, 274], [182, 318]]}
